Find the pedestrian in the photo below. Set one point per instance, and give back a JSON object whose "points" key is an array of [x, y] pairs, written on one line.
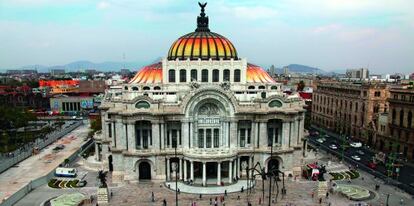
{"points": [[260, 200], [238, 197], [200, 196], [312, 194], [164, 202], [242, 189], [215, 203], [327, 195], [211, 201], [320, 200], [225, 193], [401, 201], [152, 197]]}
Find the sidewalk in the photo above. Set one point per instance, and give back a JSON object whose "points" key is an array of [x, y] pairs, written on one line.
{"points": [[40, 165]]}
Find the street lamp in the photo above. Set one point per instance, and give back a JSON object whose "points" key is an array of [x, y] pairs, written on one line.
{"points": [[175, 168], [245, 166]]}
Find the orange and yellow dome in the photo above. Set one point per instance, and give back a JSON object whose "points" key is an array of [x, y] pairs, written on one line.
{"points": [[202, 45]]}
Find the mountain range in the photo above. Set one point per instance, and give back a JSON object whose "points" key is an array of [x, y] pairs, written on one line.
{"points": [[134, 66]]}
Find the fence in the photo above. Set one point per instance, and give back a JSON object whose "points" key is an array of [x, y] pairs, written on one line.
{"points": [[405, 187], [39, 143], [13, 199]]}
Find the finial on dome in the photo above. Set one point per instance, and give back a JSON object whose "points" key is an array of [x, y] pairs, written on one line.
{"points": [[202, 20]]}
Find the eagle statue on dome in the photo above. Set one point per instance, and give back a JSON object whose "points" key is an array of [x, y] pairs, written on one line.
{"points": [[202, 20]]}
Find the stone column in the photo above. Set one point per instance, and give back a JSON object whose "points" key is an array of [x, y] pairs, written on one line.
{"points": [[295, 133], [238, 167], [285, 134], [191, 136], [218, 173], [230, 171], [168, 169], [155, 135], [253, 140], [162, 135], [131, 136], [185, 170], [233, 134], [263, 133], [184, 134], [120, 135], [192, 170], [181, 169], [170, 138], [301, 128], [204, 174]]}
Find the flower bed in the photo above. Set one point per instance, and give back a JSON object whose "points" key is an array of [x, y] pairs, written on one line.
{"points": [[351, 174]]}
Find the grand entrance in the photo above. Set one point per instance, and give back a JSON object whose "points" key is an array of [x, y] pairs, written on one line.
{"points": [[273, 164], [144, 171]]}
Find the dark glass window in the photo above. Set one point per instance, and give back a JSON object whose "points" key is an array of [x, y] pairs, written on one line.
{"points": [[171, 75], [194, 75], [216, 75], [237, 75], [216, 138], [204, 75], [183, 75], [200, 138], [226, 75]]}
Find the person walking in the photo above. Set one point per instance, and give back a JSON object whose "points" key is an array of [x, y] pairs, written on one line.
{"points": [[152, 197], [164, 202]]}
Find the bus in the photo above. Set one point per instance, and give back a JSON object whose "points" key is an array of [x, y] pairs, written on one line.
{"points": [[65, 172]]}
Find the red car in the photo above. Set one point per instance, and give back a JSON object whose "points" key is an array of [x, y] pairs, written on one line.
{"points": [[372, 165]]}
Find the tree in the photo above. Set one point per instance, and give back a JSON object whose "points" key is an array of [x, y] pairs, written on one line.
{"points": [[300, 86]]}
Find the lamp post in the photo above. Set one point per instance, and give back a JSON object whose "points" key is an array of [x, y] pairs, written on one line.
{"points": [[268, 171], [174, 168]]}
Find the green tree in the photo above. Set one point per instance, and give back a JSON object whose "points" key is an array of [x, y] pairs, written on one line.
{"points": [[300, 86]]}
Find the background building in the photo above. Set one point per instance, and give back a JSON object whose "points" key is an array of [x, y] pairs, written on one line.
{"points": [[357, 73], [351, 109]]}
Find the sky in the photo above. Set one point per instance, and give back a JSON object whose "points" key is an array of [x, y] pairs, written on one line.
{"points": [[328, 34]]}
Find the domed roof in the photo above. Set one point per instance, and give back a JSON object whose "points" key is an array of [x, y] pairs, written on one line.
{"points": [[152, 74], [202, 44]]}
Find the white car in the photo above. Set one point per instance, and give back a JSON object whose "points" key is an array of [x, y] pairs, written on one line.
{"points": [[356, 144], [321, 140], [332, 146], [356, 157]]}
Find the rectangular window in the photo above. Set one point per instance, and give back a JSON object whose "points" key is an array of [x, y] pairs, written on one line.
{"points": [[138, 139], [174, 138], [208, 138], [183, 75], [237, 75], [270, 136], [242, 137], [171, 75], [145, 138], [216, 138], [109, 130], [194, 75], [249, 136], [226, 75], [204, 75], [216, 75], [200, 138]]}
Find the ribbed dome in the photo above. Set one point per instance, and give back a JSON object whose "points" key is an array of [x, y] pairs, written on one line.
{"points": [[203, 45]]}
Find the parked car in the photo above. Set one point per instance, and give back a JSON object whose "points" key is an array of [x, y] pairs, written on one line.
{"points": [[356, 157], [59, 147], [321, 140], [372, 165], [360, 152], [333, 146], [356, 144]]}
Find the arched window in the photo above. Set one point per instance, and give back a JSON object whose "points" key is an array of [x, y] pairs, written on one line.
{"points": [[237, 75], [401, 118], [134, 88], [204, 75], [262, 87], [226, 75], [275, 103], [142, 105], [157, 88], [216, 75], [409, 119], [146, 88], [194, 75], [171, 75], [251, 87], [183, 75]]}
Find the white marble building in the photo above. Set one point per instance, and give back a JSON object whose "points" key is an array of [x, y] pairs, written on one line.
{"points": [[216, 108]]}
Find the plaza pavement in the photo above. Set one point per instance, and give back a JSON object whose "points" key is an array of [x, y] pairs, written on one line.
{"points": [[40, 165]]}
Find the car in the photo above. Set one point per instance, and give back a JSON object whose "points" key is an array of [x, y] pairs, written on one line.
{"points": [[372, 165], [321, 140], [356, 157], [360, 152], [356, 144], [59, 147], [333, 146]]}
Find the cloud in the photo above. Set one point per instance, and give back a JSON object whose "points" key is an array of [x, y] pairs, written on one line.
{"points": [[102, 5]]}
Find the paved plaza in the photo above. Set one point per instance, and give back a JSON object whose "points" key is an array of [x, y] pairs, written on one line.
{"points": [[40, 165]]}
